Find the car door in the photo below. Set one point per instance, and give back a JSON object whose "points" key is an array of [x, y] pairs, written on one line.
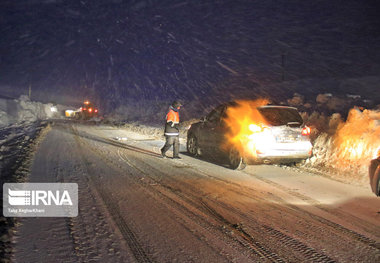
{"points": [[213, 131]]}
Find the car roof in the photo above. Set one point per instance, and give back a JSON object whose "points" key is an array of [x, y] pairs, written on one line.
{"points": [[235, 103], [277, 107]]}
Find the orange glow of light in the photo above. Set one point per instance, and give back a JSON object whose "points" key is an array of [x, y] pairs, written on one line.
{"points": [[358, 138], [377, 153], [246, 126], [86, 102]]}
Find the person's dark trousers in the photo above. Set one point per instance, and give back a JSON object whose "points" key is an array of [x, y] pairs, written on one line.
{"points": [[171, 140]]}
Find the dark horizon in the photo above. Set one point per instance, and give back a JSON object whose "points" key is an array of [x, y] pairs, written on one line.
{"points": [[161, 50]]}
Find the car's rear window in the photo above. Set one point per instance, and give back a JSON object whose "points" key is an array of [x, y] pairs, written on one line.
{"points": [[281, 116]]}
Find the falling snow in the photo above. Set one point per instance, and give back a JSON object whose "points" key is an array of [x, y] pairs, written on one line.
{"points": [[203, 51]]}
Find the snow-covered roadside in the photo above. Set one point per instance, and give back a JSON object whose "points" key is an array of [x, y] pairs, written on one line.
{"points": [[23, 110], [18, 143], [20, 122], [345, 150]]}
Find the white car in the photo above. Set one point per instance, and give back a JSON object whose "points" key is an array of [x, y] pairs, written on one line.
{"points": [[280, 138]]}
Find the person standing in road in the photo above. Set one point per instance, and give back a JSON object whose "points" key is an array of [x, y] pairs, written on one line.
{"points": [[172, 130]]}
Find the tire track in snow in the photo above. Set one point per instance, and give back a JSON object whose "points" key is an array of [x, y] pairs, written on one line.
{"points": [[307, 251], [317, 204], [245, 242], [129, 236], [248, 240], [245, 239]]}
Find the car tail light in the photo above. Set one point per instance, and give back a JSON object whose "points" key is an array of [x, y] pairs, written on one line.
{"points": [[96, 110], [306, 131], [90, 109], [84, 109]]}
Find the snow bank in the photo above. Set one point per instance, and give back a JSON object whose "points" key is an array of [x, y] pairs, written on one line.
{"points": [[22, 110], [346, 147]]}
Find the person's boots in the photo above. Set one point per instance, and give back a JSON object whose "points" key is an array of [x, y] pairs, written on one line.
{"points": [[163, 154]]}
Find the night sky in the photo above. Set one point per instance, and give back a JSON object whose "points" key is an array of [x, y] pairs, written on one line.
{"points": [[116, 50]]}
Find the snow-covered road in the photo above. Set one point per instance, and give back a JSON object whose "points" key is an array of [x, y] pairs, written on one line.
{"points": [[137, 207]]}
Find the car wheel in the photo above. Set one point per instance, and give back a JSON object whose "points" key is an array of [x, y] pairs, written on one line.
{"points": [[192, 145], [236, 160]]}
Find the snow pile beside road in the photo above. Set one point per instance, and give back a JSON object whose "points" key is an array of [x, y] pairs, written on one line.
{"points": [[23, 110], [346, 148]]}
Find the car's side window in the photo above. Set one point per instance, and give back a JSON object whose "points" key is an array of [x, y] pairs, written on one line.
{"points": [[210, 116], [215, 116], [223, 116]]}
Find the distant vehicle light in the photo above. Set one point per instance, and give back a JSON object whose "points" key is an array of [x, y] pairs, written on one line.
{"points": [[69, 113], [96, 110], [83, 109], [306, 131], [90, 109], [86, 102]]}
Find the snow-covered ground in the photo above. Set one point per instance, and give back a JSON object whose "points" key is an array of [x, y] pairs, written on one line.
{"points": [[342, 150], [17, 145], [137, 207], [20, 121]]}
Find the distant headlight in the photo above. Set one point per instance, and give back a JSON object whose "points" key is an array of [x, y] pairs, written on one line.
{"points": [[53, 109]]}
